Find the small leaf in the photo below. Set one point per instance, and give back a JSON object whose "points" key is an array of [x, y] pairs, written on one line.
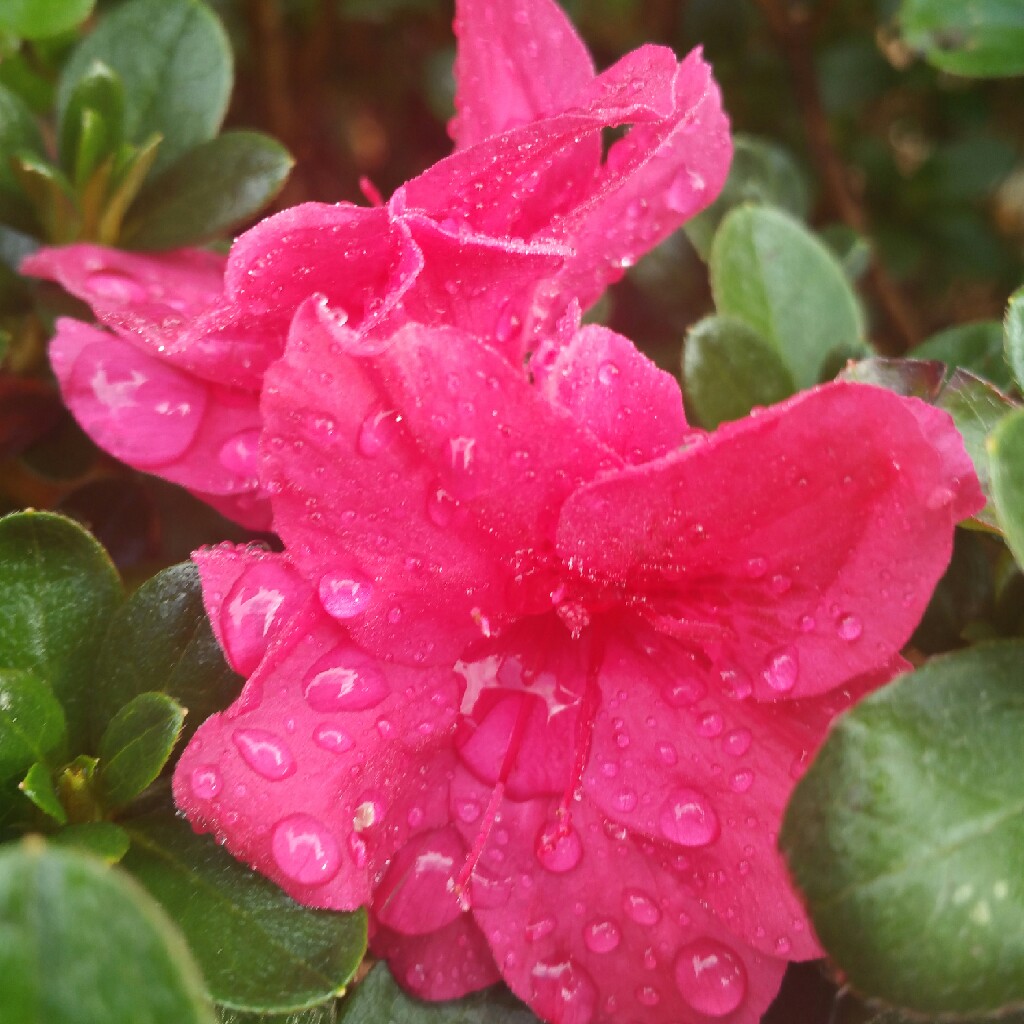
{"points": [[1013, 336], [976, 347], [160, 640], [174, 59], [136, 745], [31, 721], [976, 408], [59, 592], [38, 19], [259, 949], [102, 839], [983, 38], [207, 191], [76, 787], [131, 165], [728, 369], [768, 270], [761, 172], [38, 787], [1006, 454], [111, 956], [19, 133], [51, 195], [905, 837], [99, 93], [377, 998]]}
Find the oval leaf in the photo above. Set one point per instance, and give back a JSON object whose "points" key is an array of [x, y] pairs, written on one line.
{"points": [[259, 949], [728, 369], [174, 60], [111, 956], [1006, 456], [59, 591], [208, 191], [39, 788], [102, 839], [911, 813], [31, 721], [976, 347], [768, 270], [326, 1013], [136, 745], [37, 19], [982, 38], [1013, 336]]}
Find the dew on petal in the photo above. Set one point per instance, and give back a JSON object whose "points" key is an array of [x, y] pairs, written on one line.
{"points": [[440, 507], [265, 753], [344, 595], [710, 977], [378, 431], [736, 683], [116, 287], [849, 627], [602, 936], [648, 995], [344, 680], [607, 372], [687, 818], [737, 742], [562, 991], [539, 929], [639, 907], [305, 850], [684, 692], [330, 737], [781, 670], [741, 781], [559, 848], [240, 454], [205, 782]]}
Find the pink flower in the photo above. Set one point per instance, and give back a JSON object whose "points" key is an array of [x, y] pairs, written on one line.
{"points": [[538, 667], [501, 238]]}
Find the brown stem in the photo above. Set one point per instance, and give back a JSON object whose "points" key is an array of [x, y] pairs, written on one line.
{"points": [[794, 34]]}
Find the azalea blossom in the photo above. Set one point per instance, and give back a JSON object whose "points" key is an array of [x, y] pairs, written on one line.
{"points": [[525, 219], [539, 664]]}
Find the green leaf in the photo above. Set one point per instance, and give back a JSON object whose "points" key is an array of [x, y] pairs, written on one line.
{"points": [[908, 377], [38, 787], [208, 191], [728, 369], [905, 836], [976, 407], [980, 38], [136, 745], [977, 347], [60, 589], [91, 126], [80, 943], [174, 59], [377, 999], [19, 133], [768, 270], [761, 172], [51, 195], [102, 839], [31, 721], [1013, 336], [259, 949], [1006, 455], [37, 19], [325, 1013], [160, 640]]}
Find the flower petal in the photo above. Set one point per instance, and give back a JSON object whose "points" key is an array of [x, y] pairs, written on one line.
{"points": [[798, 547], [517, 61]]}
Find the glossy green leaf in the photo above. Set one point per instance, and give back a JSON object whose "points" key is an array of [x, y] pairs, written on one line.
{"points": [[160, 640], [976, 408], [60, 589], [905, 836], [136, 745], [38, 787], [325, 1013], [728, 369], [976, 347], [31, 721], [51, 195], [1006, 456], [768, 270], [37, 19], [980, 38], [102, 839], [208, 191], [91, 126], [1013, 336], [80, 943], [259, 949], [175, 62], [377, 999], [761, 172]]}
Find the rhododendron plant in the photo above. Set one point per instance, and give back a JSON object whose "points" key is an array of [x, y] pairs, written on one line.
{"points": [[525, 218], [539, 666]]}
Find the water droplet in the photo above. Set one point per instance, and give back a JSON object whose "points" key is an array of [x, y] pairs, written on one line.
{"points": [[440, 507], [607, 372], [331, 738], [379, 430], [559, 848], [344, 595], [357, 847], [688, 819], [736, 683], [684, 692], [305, 850], [345, 680], [780, 584], [667, 753], [738, 742], [807, 624], [781, 670], [602, 936], [240, 454], [756, 568], [116, 287], [710, 725], [206, 782], [783, 945], [626, 800], [540, 929], [647, 995], [849, 627], [264, 753], [467, 811], [562, 991], [710, 977], [639, 907], [741, 781], [415, 817], [460, 455]]}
